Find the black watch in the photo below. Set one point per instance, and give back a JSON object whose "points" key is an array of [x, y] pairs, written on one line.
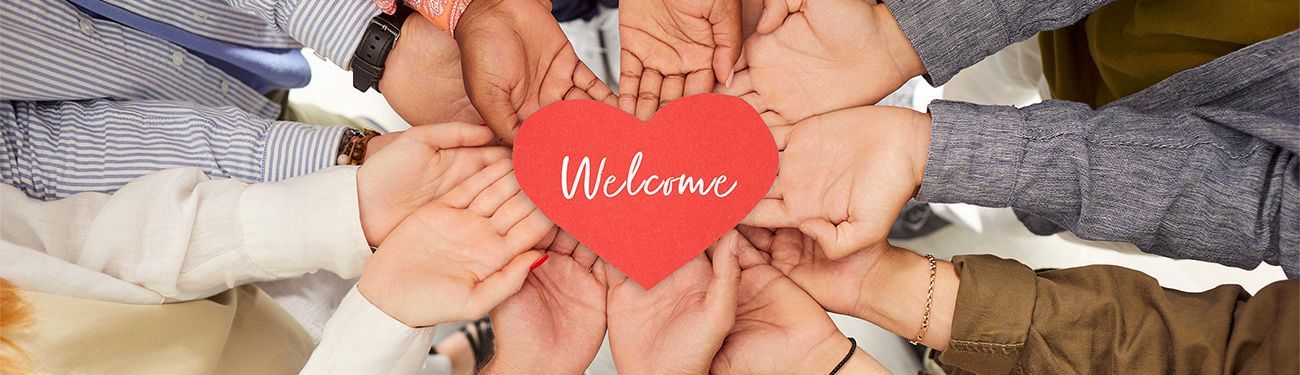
{"points": [[378, 40]]}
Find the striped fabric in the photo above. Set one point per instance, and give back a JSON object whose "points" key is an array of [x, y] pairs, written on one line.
{"points": [[88, 104]]}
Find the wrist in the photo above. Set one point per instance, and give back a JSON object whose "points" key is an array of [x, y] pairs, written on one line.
{"points": [[900, 49], [898, 300], [920, 153]]}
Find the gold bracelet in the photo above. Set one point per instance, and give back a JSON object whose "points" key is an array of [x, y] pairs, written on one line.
{"points": [[929, 301]]}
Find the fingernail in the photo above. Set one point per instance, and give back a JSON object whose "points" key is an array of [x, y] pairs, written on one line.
{"points": [[730, 76], [539, 262]]}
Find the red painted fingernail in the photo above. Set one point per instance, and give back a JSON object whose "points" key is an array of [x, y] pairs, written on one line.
{"points": [[539, 262]]}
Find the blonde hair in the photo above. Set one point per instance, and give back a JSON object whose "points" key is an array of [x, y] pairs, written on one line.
{"points": [[15, 313]]}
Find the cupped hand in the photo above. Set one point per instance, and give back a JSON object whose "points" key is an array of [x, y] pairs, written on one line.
{"points": [[516, 60], [779, 328], [676, 327], [459, 255], [416, 166], [845, 175], [811, 57], [422, 77], [674, 48], [561, 306]]}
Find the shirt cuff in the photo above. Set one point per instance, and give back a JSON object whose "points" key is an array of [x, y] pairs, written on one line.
{"points": [[995, 307], [975, 154], [331, 27], [361, 339], [305, 224], [950, 35], [294, 149]]}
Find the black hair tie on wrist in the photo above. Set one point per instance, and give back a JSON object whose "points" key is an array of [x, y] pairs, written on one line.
{"points": [[853, 347]]}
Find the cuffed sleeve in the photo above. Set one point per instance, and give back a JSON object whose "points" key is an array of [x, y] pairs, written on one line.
{"points": [[306, 224], [1106, 319], [361, 339], [331, 27], [952, 35], [294, 149]]}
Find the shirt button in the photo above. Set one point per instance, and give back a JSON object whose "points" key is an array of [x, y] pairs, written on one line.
{"points": [[87, 27], [225, 87], [178, 59]]}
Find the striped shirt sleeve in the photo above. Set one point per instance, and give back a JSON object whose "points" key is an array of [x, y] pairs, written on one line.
{"points": [[52, 150], [331, 27]]}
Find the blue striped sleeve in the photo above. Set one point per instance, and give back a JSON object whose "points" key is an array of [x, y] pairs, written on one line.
{"points": [[52, 150], [331, 27]]}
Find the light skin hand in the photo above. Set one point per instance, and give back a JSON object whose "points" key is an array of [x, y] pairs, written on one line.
{"points": [[674, 48], [845, 175], [415, 167], [470, 245], [676, 327], [814, 57], [422, 77], [516, 60], [561, 305], [780, 329], [887, 287]]}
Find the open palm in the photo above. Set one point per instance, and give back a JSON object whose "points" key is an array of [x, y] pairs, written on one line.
{"points": [[516, 60], [674, 48]]}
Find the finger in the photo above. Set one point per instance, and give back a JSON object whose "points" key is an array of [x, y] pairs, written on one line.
{"points": [[501, 285], [529, 231], [725, 18], [585, 257], [647, 98], [771, 118], [558, 79], [564, 244], [787, 249], [491, 199], [775, 191], [672, 89], [698, 82], [629, 81], [749, 256], [463, 194], [775, 12], [761, 238], [576, 93], [740, 85], [836, 241], [451, 135], [756, 101], [493, 104], [770, 213], [721, 297], [512, 212], [584, 78], [613, 278], [781, 135]]}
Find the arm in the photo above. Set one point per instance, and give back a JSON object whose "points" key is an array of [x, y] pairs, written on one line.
{"points": [[330, 27], [56, 149], [1164, 181], [183, 236], [949, 36]]}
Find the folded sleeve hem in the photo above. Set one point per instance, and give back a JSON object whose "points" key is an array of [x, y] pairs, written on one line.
{"points": [[975, 154], [995, 306], [306, 224]]}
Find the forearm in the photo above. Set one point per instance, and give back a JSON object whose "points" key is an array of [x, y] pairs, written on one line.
{"points": [[1181, 184], [332, 28], [53, 150], [1100, 318], [896, 299], [949, 36], [184, 236]]}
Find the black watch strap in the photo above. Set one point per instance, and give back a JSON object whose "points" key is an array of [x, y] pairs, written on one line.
{"points": [[376, 42]]}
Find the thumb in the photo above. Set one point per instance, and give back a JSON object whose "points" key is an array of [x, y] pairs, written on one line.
{"points": [[836, 241], [775, 12], [721, 297], [451, 135], [725, 18], [501, 285]]}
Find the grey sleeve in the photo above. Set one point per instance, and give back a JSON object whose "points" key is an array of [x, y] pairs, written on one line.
{"points": [[1182, 184], [952, 35]]}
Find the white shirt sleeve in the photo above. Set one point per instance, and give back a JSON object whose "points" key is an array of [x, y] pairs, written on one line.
{"points": [[183, 236], [361, 339]]}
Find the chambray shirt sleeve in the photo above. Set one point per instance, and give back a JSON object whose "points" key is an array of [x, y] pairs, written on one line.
{"points": [[331, 27], [1186, 183], [52, 150], [952, 35]]}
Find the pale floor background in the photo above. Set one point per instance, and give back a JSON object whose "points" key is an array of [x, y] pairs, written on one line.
{"points": [[975, 230]]}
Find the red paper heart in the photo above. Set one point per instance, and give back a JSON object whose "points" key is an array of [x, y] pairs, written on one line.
{"points": [[647, 237]]}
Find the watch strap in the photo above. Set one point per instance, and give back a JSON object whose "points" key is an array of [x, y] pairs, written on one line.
{"points": [[377, 41]]}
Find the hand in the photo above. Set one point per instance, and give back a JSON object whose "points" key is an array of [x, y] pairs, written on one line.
{"points": [[780, 329], [814, 57], [676, 327], [674, 48], [845, 175], [886, 287], [421, 164], [422, 78], [459, 255], [560, 307], [516, 60]]}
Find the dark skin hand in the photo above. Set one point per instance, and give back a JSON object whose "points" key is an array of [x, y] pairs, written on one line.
{"points": [[675, 48]]}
